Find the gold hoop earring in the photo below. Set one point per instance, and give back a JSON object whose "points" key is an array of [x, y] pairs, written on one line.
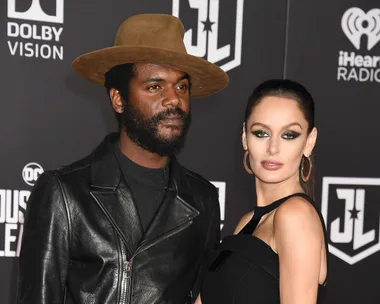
{"points": [[305, 168], [246, 167]]}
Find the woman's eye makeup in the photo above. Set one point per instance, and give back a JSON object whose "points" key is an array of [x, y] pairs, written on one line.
{"points": [[260, 133], [288, 135]]}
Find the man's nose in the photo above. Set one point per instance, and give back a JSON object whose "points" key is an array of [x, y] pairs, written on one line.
{"points": [[171, 97]]}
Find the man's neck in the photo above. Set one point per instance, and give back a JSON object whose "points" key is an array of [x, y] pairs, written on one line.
{"points": [[140, 156]]}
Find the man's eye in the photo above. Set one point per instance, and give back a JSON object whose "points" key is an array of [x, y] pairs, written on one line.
{"points": [[182, 87], [154, 87], [260, 133]]}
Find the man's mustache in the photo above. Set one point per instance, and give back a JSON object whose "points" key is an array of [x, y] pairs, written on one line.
{"points": [[168, 112]]}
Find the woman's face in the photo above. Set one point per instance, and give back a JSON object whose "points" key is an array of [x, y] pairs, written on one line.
{"points": [[276, 138]]}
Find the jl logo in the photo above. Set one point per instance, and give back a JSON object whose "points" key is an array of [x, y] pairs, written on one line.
{"points": [[203, 21], [35, 12], [221, 186], [351, 211], [356, 23]]}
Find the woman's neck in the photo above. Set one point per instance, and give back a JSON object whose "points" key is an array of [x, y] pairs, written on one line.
{"points": [[266, 193]]}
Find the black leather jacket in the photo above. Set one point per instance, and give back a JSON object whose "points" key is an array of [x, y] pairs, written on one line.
{"points": [[83, 241]]}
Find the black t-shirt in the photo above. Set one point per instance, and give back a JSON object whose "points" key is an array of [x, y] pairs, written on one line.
{"points": [[148, 186]]}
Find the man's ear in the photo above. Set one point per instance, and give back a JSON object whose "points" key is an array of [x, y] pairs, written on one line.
{"points": [[244, 138], [116, 101], [310, 143]]}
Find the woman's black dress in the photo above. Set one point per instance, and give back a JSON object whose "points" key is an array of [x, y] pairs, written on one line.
{"points": [[246, 269]]}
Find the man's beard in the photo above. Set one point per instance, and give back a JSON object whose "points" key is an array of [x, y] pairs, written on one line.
{"points": [[144, 131]]}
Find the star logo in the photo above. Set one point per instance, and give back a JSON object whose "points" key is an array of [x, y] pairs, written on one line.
{"points": [[354, 213], [208, 24], [204, 37]]}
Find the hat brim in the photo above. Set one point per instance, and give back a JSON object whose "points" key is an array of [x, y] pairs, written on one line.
{"points": [[206, 78]]}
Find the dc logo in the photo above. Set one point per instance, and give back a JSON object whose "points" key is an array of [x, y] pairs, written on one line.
{"points": [[31, 172], [35, 12], [351, 210], [221, 186], [356, 23], [204, 19]]}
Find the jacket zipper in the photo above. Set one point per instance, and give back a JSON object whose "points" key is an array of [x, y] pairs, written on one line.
{"points": [[128, 290], [123, 278]]}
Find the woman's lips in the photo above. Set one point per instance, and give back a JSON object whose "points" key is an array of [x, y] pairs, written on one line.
{"points": [[271, 165]]}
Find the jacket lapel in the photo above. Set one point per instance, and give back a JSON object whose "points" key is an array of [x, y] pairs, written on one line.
{"points": [[113, 195], [174, 214]]}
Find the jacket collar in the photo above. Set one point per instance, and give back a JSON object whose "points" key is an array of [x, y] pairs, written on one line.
{"points": [[115, 199], [106, 172]]}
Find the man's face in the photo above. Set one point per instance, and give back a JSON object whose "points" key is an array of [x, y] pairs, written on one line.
{"points": [[156, 113]]}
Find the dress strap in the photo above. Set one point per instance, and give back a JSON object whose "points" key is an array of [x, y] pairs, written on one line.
{"points": [[259, 211], [251, 225]]}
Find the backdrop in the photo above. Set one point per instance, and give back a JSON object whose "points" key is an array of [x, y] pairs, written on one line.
{"points": [[50, 117]]}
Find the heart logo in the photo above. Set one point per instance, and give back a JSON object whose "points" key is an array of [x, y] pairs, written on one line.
{"points": [[356, 23]]}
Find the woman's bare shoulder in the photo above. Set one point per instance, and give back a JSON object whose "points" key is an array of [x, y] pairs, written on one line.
{"points": [[294, 208], [297, 217]]}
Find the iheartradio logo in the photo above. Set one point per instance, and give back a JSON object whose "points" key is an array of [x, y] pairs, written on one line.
{"points": [[355, 23]]}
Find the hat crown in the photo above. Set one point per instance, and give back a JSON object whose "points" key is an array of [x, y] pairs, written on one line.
{"points": [[152, 30], [157, 39]]}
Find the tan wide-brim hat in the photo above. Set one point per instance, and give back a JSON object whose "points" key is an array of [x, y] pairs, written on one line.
{"points": [[152, 38]]}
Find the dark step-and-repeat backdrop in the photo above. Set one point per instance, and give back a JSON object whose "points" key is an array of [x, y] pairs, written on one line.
{"points": [[50, 117]]}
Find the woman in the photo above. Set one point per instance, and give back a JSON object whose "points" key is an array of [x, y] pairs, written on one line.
{"points": [[278, 253]]}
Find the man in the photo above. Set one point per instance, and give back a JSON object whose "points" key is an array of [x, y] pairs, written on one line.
{"points": [[128, 224]]}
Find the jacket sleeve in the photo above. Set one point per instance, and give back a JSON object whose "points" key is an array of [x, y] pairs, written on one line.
{"points": [[212, 243], [44, 256]]}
